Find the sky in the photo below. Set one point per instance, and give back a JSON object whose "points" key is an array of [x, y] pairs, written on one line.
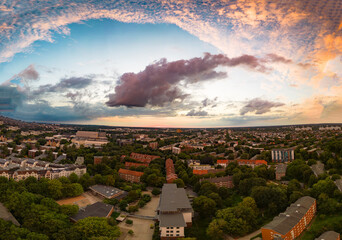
{"points": [[172, 63]]}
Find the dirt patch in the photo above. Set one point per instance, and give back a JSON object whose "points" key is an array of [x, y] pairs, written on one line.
{"points": [[83, 200]]}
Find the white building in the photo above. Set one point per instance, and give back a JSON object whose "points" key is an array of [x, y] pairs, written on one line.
{"points": [[174, 212]]}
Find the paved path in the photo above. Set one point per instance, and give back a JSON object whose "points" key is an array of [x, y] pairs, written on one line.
{"points": [[247, 237]]}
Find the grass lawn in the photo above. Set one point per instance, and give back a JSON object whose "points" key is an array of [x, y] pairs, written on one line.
{"points": [[321, 224]]}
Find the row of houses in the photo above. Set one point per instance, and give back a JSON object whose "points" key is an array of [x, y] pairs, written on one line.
{"points": [[170, 171], [20, 169]]}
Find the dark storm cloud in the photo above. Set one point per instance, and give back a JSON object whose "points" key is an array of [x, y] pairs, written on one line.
{"points": [[63, 84], [157, 83], [259, 106], [199, 113], [10, 98]]}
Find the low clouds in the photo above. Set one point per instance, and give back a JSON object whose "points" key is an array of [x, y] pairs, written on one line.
{"points": [[10, 98], [259, 106], [199, 113], [63, 84], [157, 83]]}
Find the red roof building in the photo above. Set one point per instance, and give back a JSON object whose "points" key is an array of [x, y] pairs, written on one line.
{"points": [[170, 171], [199, 172], [129, 175], [133, 164], [143, 157], [251, 163], [224, 162]]}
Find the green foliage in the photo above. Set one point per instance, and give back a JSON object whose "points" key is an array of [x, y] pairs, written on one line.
{"points": [[129, 221], [96, 227], [156, 191], [205, 206]]}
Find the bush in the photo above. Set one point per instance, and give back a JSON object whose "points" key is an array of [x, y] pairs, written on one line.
{"points": [[129, 221], [133, 209], [156, 191], [130, 232]]}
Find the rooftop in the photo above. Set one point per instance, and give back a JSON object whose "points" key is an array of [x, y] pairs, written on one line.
{"points": [[330, 235], [98, 209], [106, 191], [7, 216], [173, 199], [284, 222]]}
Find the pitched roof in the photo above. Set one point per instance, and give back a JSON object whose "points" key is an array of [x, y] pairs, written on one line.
{"points": [[330, 235], [218, 179], [130, 172], [284, 222], [7, 216], [98, 209], [222, 161]]}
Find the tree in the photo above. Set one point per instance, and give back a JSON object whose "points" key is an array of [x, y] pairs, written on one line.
{"points": [[179, 182], [205, 206], [96, 227], [216, 229], [55, 189], [156, 191]]}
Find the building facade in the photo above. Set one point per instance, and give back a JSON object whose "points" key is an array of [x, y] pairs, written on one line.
{"points": [[174, 212], [283, 155], [129, 175], [290, 224]]}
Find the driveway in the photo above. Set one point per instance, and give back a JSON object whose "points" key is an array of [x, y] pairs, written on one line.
{"points": [[140, 227]]}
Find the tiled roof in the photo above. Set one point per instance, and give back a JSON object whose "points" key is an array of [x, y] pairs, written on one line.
{"points": [[130, 172]]}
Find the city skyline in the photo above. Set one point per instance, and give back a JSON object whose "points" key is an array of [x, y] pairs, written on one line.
{"points": [[172, 63]]}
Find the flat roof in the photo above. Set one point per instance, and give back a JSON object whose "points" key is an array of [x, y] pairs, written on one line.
{"points": [[106, 191], [98, 209], [172, 220], [173, 198], [329, 235]]}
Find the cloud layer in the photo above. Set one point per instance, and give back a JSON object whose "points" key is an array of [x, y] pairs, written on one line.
{"points": [[157, 83], [259, 106]]}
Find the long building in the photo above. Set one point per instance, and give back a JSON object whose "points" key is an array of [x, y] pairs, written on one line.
{"points": [[144, 158], [283, 155], [129, 175], [226, 181], [329, 235], [174, 212], [170, 171], [290, 224]]}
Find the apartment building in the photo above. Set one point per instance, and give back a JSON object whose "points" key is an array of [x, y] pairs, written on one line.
{"points": [[226, 181], [170, 171], [290, 224], [133, 164], [129, 175], [283, 155], [143, 157], [280, 171], [174, 212]]}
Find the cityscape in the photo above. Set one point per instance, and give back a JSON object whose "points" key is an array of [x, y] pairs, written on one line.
{"points": [[171, 120]]}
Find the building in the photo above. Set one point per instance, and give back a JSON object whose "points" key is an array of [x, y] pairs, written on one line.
{"points": [[98, 209], [170, 171], [129, 175], [280, 171], [330, 235], [133, 164], [143, 157], [108, 192], [153, 145], [176, 150], [7, 215], [174, 212], [79, 161], [283, 155], [290, 224], [224, 163], [226, 181], [332, 128], [318, 168], [97, 159], [251, 163], [338, 184], [90, 139]]}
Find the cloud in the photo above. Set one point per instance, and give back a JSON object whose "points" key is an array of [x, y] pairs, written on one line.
{"points": [[63, 84], [28, 74], [209, 103], [10, 98], [197, 113], [259, 106], [156, 84]]}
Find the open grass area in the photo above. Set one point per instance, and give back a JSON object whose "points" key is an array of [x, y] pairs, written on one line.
{"points": [[321, 224]]}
